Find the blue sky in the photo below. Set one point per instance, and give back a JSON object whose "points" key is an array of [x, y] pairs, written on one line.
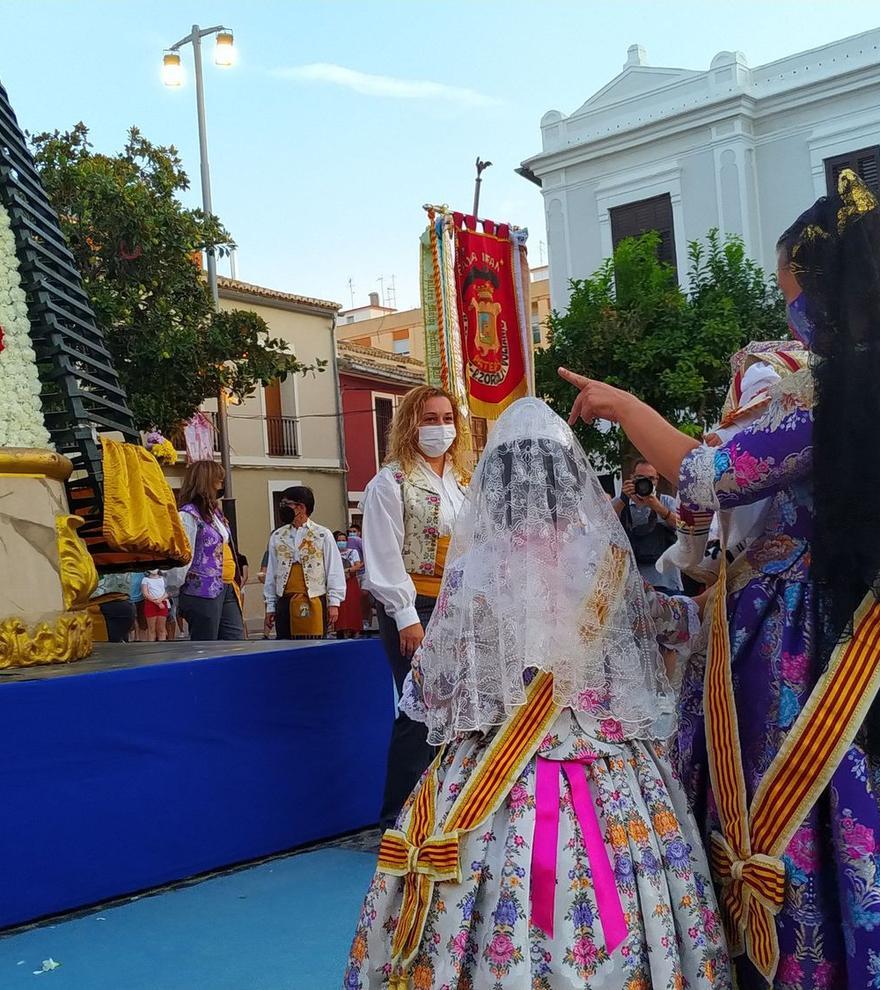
{"points": [[343, 117]]}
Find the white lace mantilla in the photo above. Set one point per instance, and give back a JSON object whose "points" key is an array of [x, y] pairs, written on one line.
{"points": [[540, 575]]}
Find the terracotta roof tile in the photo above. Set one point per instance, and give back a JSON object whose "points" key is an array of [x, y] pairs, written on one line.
{"points": [[357, 358], [247, 288]]}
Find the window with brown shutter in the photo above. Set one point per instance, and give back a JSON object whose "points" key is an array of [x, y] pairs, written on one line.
{"points": [[384, 414], [636, 219], [865, 163], [479, 432]]}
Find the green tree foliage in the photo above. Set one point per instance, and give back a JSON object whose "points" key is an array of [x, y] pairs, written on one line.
{"points": [[632, 326], [137, 247]]}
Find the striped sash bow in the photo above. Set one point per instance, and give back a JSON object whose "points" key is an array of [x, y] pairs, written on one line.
{"points": [[422, 857], [752, 891], [436, 857], [746, 855]]}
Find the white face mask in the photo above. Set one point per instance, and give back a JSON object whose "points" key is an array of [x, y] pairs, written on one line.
{"points": [[434, 441]]}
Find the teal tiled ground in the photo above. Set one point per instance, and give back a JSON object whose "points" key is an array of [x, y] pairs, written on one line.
{"points": [[285, 924]]}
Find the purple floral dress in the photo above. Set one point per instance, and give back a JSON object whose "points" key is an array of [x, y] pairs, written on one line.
{"points": [[829, 927], [478, 934]]}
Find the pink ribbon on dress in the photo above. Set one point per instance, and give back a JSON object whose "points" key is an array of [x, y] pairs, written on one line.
{"points": [[546, 844]]}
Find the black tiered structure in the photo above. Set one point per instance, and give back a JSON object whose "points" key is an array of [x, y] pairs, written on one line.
{"points": [[81, 393]]}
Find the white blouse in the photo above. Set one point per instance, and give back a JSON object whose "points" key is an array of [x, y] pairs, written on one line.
{"points": [[383, 533]]}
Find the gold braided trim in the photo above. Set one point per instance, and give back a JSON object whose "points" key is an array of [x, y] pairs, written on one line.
{"points": [[69, 639], [422, 857], [34, 462], [604, 595], [438, 292], [505, 759], [746, 855], [821, 735]]}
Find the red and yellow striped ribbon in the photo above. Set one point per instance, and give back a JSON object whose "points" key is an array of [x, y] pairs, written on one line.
{"points": [[422, 857], [746, 855]]}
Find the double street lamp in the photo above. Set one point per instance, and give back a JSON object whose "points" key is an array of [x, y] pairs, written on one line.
{"points": [[172, 75]]}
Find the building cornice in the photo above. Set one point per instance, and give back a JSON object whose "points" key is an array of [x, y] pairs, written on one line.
{"points": [[738, 105], [237, 291], [749, 103]]}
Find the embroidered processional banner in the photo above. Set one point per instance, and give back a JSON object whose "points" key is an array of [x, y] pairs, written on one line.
{"points": [[475, 300]]}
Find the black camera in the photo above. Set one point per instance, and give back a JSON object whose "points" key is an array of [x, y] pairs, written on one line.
{"points": [[644, 487]]}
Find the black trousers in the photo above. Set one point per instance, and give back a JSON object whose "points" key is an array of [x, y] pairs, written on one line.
{"points": [[409, 753], [119, 618], [212, 619]]}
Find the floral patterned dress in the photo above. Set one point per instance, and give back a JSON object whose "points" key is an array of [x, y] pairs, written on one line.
{"points": [[829, 927], [478, 934]]}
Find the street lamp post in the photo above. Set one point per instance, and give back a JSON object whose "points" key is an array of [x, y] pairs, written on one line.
{"points": [[173, 76]]}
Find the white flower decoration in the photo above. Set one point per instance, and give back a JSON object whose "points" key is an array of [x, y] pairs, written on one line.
{"points": [[21, 415]]}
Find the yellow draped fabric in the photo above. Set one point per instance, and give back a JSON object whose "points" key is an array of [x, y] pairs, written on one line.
{"points": [[429, 584], [228, 573], [308, 625], [140, 514]]}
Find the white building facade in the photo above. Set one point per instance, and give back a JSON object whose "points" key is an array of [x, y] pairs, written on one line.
{"points": [[742, 149]]}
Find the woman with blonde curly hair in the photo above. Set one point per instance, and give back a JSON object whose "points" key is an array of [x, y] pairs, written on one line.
{"points": [[409, 509]]}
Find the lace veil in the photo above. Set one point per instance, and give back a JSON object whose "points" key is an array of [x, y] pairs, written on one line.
{"points": [[540, 575]]}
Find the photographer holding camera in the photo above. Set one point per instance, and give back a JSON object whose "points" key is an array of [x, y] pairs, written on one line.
{"points": [[649, 520]]}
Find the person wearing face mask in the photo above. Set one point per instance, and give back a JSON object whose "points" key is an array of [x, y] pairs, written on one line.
{"points": [[757, 369], [304, 572], [350, 623], [779, 738], [208, 593], [354, 539], [408, 512]]}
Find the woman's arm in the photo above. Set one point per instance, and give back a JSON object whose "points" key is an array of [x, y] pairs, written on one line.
{"points": [[769, 456], [269, 593], [657, 441], [334, 571], [383, 530]]}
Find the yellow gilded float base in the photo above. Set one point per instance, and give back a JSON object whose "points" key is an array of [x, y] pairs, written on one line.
{"points": [[69, 638]]}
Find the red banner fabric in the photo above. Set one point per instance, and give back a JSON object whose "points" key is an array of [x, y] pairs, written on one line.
{"points": [[491, 341]]}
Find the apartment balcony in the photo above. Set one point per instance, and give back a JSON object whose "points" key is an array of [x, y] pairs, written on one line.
{"points": [[177, 437], [282, 438]]}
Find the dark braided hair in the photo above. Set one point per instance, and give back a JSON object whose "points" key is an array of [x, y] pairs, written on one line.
{"points": [[833, 250]]}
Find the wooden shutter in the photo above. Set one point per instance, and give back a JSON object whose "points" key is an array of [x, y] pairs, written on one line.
{"points": [[272, 395], [384, 415], [479, 430], [636, 219], [865, 163]]}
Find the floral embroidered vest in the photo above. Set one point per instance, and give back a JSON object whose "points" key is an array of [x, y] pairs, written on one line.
{"points": [[421, 521], [311, 556], [204, 579]]}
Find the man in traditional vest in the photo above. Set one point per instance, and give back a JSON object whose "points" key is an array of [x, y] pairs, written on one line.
{"points": [[305, 579]]}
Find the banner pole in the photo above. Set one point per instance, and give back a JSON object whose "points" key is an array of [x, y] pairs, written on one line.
{"points": [[481, 167]]}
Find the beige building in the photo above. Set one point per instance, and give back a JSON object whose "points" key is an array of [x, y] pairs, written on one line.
{"points": [[403, 331], [395, 331], [540, 299], [286, 434]]}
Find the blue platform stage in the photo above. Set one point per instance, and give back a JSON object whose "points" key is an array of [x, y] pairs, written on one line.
{"points": [[147, 764]]}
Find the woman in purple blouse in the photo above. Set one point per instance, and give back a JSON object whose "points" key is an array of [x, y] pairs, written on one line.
{"points": [[814, 454]]}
